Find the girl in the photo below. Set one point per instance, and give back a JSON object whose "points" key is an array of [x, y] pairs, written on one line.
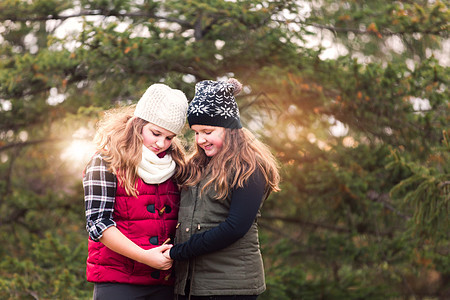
{"points": [[131, 198], [217, 253]]}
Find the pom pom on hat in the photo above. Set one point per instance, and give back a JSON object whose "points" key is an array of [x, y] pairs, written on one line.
{"points": [[214, 104], [164, 107], [236, 84]]}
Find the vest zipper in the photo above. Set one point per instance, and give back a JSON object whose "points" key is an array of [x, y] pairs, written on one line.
{"points": [[195, 206], [192, 260], [190, 282], [158, 201]]}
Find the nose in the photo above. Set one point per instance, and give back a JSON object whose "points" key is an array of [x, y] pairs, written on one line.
{"points": [[200, 139], [160, 142]]}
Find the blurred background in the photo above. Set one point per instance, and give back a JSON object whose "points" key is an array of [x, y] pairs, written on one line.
{"points": [[351, 96]]}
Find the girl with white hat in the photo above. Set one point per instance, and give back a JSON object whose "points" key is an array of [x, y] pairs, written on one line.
{"points": [[132, 198]]}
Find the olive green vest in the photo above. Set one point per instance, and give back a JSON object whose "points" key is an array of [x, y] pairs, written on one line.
{"points": [[234, 270]]}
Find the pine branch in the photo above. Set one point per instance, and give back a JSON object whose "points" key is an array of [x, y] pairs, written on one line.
{"points": [[306, 223], [323, 226], [371, 32], [278, 232], [386, 32], [13, 217], [383, 199], [86, 13], [28, 143]]}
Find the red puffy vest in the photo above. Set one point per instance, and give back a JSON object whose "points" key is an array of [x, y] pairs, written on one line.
{"points": [[148, 221]]}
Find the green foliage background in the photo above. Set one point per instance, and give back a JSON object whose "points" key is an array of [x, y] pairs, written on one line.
{"points": [[363, 212]]}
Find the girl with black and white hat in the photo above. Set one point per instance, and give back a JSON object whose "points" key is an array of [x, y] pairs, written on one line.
{"points": [[216, 249]]}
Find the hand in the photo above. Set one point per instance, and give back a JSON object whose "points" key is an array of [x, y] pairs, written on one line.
{"points": [[166, 254], [155, 258], [118, 242]]}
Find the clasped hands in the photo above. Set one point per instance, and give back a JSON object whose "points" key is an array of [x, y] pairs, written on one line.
{"points": [[158, 257]]}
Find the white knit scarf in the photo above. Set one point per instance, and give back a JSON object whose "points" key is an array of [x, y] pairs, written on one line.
{"points": [[154, 170]]}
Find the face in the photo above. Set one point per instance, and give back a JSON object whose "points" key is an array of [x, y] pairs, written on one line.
{"points": [[209, 138], [157, 139]]}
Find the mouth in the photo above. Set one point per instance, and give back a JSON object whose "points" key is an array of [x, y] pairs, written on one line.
{"points": [[207, 147]]}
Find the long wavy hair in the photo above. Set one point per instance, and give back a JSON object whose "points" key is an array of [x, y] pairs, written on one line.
{"points": [[119, 139], [239, 157]]}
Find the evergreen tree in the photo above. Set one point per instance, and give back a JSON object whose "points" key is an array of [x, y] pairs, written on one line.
{"points": [[351, 96]]}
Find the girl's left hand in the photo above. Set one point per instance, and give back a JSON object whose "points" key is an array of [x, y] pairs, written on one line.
{"points": [[156, 257]]}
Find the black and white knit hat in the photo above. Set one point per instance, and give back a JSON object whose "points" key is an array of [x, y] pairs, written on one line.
{"points": [[214, 104]]}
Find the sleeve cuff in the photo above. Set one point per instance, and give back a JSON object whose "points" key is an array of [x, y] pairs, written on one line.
{"points": [[96, 230]]}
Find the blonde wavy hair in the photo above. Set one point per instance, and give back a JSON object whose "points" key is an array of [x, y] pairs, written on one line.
{"points": [[239, 157], [119, 139]]}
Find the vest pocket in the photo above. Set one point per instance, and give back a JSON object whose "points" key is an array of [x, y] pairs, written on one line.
{"points": [[225, 264]]}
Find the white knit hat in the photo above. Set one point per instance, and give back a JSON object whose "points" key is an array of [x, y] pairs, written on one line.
{"points": [[164, 107]]}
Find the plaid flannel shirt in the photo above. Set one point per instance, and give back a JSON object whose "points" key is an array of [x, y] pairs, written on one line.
{"points": [[99, 196]]}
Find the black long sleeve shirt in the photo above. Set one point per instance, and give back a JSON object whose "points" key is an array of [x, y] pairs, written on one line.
{"points": [[245, 203]]}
